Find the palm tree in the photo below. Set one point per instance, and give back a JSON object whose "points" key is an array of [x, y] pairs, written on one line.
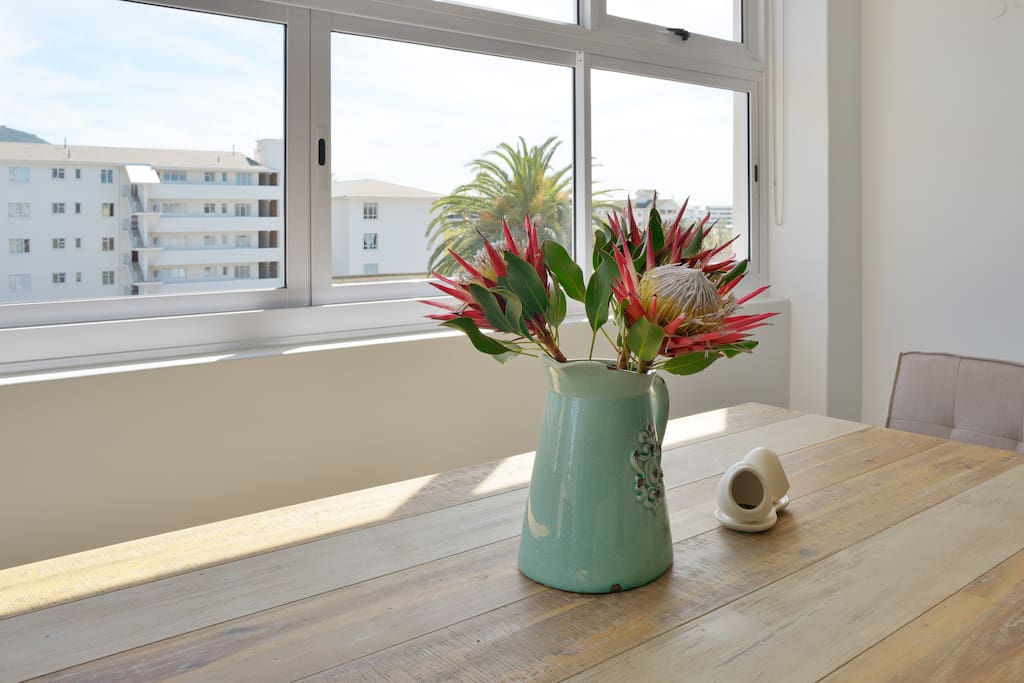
{"points": [[509, 183]]}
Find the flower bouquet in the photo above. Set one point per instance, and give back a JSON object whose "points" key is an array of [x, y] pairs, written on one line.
{"points": [[671, 298]]}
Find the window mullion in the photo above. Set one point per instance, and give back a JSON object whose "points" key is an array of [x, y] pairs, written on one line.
{"points": [[583, 172], [319, 176]]}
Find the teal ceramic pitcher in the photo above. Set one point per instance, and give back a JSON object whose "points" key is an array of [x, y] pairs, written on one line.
{"points": [[595, 518]]}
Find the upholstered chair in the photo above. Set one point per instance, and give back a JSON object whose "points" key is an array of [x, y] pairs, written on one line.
{"points": [[976, 400]]}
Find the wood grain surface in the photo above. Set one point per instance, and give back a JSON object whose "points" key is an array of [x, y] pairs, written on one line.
{"points": [[900, 557]]}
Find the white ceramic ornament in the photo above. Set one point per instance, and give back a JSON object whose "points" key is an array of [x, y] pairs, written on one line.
{"points": [[744, 499], [768, 462]]}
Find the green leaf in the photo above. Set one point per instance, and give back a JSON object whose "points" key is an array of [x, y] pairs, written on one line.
{"points": [[491, 308], [501, 351], [514, 314], [655, 231], [601, 241], [736, 271], [733, 350], [556, 307], [645, 339], [565, 270], [524, 281], [694, 248], [690, 363], [599, 293]]}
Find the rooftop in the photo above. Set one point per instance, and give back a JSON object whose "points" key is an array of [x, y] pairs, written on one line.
{"points": [[368, 187], [160, 158]]}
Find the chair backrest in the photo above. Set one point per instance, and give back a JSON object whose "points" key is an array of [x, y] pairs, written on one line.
{"points": [[976, 400]]}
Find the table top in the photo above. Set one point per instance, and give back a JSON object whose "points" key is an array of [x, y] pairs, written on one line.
{"points": [[899, 556]]}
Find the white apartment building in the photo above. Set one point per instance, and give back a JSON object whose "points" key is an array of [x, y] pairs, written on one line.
{"points": [[379, 228], [93, 222]]}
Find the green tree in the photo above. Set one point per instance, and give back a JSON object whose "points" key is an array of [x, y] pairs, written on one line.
{"points": [[509, 183]]}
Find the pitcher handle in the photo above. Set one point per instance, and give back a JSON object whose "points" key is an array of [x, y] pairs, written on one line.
{"points": [[659, 399]]}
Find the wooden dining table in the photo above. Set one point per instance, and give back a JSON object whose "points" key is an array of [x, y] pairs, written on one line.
{"points": [[901, 556]]}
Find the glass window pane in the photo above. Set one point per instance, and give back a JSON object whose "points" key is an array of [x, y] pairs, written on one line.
{"points": [[426, 152], [124, 123], [715, 18], [562, 11], [693, 145]]}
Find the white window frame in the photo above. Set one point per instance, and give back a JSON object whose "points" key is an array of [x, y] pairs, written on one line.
{"points": [[309, 306], [107, 277], [19, 281], [19, 174], [106, 176], [19, 209]]}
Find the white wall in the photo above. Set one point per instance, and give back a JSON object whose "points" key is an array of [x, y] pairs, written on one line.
{"points": [[400, 225], [96, 460], [943, 144]]}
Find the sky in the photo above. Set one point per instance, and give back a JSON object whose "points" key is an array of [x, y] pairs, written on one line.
{"points": [[106, 72]]}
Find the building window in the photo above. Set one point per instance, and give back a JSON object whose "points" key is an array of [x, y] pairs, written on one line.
{"points": [[173, 176], [19, 281], [209, 177], [18, 245], [210, 271], [19, 209], [169, 274], [243, 178], [78, 243], [78, 174], [242, 272], [371, 268], [223, 208], [243, 210], [107, 209], [58, 242], [243, 241], [209, 208], [59, 278], [108, 244], [172, 207], [369, 241], [369, 211], [18, 174], [106, 175], [108, 277], [58, 207], [268, 270], [78, 207], [78, 276], [57, 173], [209, 241]]}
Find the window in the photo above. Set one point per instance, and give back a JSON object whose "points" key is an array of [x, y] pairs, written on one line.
{"points": [[174, 241], [19, 281], [58, 207], [78, 174], [18, 245], [19, 209], [78, 277], [58, 242], [78, 243], [209, 241], [18, 174], [243, 241], [107, 209], [242, 272], [173, 176], [108, 244], [108, 277], [354, 75], [715, 19], [59, 278], [78, 207]]}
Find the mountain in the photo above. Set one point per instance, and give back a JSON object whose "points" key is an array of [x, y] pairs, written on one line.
{"points": [[13, 135]]}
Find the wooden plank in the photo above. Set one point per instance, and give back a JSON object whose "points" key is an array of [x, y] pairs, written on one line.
{"points": [[552, 635], [814, 620], [975, 635], [73, 577], [307, 636]]}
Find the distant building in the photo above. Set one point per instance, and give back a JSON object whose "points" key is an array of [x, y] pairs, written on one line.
{"points": [[379, 228], [93, 222]]}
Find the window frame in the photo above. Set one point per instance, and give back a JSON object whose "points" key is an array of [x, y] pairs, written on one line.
{"points": [[309, 307]]}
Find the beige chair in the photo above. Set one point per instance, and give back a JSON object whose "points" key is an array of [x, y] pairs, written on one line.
{"points": [[976, 400]]}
